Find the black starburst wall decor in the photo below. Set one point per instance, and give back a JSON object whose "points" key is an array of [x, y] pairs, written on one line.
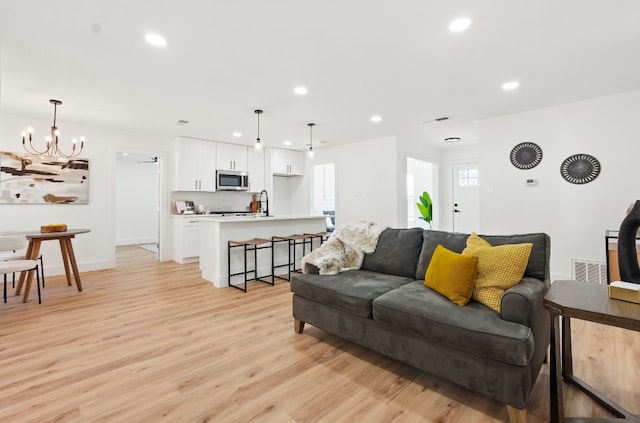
{"points": [[580, 168], [526, 155]]}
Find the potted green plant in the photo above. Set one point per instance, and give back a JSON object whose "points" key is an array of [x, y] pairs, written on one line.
{"points": [[426, 208]]}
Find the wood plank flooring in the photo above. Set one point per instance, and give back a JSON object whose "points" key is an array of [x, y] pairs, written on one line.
{"points": [[149, 342]]}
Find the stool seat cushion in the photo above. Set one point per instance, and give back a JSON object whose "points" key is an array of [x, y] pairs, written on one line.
{"points": [[253, 241], [294, 237]]}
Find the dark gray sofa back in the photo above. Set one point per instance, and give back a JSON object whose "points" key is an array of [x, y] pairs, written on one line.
{"points": [[397, 252], [538, 266]]}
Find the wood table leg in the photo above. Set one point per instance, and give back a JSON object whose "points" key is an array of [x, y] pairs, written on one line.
{"points": [[555, 373], [567, 354], [74, 265], [65, 259], [34, 253]]}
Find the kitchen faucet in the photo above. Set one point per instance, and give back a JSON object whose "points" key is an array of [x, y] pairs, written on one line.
{"points": [[260, 199]]}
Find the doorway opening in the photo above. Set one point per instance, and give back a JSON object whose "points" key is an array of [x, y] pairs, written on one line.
{"points": [[137, 200], [324, 193], [421, 176]]}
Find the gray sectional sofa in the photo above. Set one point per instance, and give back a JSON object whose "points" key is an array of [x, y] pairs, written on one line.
{"points": [[386, 307]]}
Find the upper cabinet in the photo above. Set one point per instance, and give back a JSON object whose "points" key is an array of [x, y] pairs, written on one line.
{"points": [[287, 162], [195, 165], [232, 157]]}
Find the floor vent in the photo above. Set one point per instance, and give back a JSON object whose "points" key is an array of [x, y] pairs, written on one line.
{"points": [[589, 271]]}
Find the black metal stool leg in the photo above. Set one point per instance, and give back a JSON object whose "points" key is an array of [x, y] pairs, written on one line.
{"points": [[42, 268], [38, 283]]}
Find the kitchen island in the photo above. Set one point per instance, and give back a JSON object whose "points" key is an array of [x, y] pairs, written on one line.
{"points": [[216, 231]]}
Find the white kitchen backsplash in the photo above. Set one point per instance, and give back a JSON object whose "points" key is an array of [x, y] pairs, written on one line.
{"points": [[214, 201]]}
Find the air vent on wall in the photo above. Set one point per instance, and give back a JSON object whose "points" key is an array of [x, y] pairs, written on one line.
{"points": [[589, 271]]}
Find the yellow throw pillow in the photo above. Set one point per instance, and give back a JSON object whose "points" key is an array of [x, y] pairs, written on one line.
{"points": [[499, 268], [451, 274]]}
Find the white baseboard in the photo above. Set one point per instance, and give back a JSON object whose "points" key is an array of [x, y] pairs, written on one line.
{"points": [[58, 269], [136, 241]]}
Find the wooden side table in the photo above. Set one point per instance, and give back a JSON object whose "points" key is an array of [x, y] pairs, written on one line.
{"points": [[590, 302]]}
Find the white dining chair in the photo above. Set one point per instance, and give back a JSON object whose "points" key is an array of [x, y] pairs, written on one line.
{"points": [[13, 265], [15, 250]]}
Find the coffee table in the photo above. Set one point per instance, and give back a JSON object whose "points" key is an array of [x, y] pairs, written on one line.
{"points": [[590, 302]]}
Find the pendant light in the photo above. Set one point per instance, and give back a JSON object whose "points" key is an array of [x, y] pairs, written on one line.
{"points": [[258, 144], [311, 153]]}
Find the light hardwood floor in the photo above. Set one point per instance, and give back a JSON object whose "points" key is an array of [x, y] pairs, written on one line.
{"points": [[149, 342]]}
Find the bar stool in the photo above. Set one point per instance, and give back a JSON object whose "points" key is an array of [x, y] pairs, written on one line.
{"points": [[254, 245], [322, 236], [292, 242]]}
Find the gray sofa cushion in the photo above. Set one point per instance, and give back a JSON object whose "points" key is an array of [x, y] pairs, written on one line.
{"points": [[538, 260], [352, 291], [476, 329], [397, 252], [450, 240]]}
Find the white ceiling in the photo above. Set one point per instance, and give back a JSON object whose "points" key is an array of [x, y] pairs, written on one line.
{"points": [[357, 57]]}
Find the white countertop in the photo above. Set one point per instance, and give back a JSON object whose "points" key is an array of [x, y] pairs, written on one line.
{"points": [[252, 218]]}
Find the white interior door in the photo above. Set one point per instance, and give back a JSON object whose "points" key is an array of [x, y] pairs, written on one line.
{"points": [[466, 197]]}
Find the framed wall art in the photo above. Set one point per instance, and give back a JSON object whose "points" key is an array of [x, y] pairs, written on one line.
{"points": [[43, 179]]}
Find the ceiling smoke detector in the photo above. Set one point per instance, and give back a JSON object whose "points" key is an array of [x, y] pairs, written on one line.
{"points": [[452, 139]]}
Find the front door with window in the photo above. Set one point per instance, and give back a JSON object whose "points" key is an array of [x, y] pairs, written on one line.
{"points": [[466, 197]]}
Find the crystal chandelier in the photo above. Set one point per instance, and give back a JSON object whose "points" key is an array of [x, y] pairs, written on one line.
{"points": [[52, 148]]}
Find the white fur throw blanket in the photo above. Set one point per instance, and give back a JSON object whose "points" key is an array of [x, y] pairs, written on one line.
{"points": [[345, 249]]}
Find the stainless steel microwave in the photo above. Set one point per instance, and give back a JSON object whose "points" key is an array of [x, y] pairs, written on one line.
{"points": [[232, 180]]}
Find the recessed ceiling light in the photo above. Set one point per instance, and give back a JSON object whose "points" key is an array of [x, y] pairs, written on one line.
{"points": [[286, 142], [376, 118], [459, 24], [237, 134], [452, 139], [300, 90], [511, 85], [125, 154], [156, 40]]}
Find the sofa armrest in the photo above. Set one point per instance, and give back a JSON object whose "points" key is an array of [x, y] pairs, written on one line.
{"points": [[523, 303], [519, 303]]}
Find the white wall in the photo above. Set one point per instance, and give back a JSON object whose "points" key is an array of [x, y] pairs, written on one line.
{"points": [[136, 200], [575, 216], [95, 250], [323, 180], [366, 181]]}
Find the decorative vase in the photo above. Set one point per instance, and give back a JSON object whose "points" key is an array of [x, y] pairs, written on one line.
{"points": [[627, 253]]}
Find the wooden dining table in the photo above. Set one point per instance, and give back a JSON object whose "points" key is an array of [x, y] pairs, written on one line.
{"points": [[33, 252]]}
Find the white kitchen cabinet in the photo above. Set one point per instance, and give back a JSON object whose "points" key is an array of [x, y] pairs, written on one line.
{"points": [[255, 161], [186, 239], [195, 162], [232, 157], [287, 162]]}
